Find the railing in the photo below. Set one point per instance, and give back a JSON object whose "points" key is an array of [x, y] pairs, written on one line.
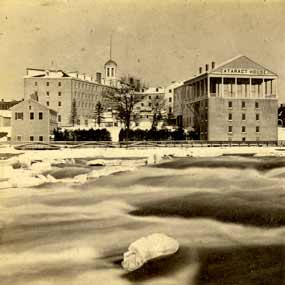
{"points": [[146, 144], [243, 96]]}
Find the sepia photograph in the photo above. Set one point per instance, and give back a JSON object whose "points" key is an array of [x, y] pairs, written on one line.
{"points": [[142, 142]]}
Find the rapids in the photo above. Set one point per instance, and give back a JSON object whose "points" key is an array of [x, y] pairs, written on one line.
{"points": [[71, 223]]}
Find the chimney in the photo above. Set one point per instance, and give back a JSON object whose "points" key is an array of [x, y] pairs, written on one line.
{"points": [[200, 70], [206, 67], [138, 84], [98, 77], [34, 97], [213, 64]]}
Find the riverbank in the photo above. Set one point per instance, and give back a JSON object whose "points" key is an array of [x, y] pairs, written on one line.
{"points": [[151, 154]]}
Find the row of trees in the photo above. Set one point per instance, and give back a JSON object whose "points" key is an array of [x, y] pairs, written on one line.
{"points": [[155, 135], [82, 135]]}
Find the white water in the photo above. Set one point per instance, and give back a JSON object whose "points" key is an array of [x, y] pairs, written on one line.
{"points": [[74, 230]]}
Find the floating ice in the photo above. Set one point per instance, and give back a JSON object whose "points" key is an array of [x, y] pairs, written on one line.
{"points": [[147, 248], [96, 162]]}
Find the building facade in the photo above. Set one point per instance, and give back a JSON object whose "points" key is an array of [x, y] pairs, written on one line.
{"points": [[32, 121], [235, 101], [72, 95], [150, 100]]}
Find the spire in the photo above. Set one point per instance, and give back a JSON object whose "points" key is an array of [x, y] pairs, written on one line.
{"points": [[111, 47]]}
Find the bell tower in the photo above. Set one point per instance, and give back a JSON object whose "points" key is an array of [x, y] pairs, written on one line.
{"points": [[110, 69]]}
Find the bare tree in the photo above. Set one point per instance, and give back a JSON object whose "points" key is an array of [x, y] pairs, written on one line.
{"points": [[98, 113], [123, 101], [73, 114], [158, 110]]}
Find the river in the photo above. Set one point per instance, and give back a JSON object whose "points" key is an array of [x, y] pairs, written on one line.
{"points": [[227, 213]]}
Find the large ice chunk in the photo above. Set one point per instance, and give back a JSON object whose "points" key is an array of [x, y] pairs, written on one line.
{"points": [[147, 248]]}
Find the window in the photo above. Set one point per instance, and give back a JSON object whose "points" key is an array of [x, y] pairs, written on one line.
{"points": [[41, 138], [230, 129], [256, 105], [59, 93], [142, 104], [243, 139], [230, 116], [30, 107], [257, 117], [156, 89], [47, 103], [108, 72], [47, 93], [243, 116], [243, 129], [19, 138], [47, 83], [147, 116], [170, 99], [59, 104], [230, 104], [170, 110], [36, 83], [40, 115], [59, 83], [112, 71], [36, 93], [149, 97], [257, 129], [149, 104], [31, 138], [169, 90], [243, 104], [142, 90], [19, 116], [31, 115], [59, 118]]}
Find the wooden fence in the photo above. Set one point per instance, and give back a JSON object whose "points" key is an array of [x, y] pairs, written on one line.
{"points": [[142, 144]]}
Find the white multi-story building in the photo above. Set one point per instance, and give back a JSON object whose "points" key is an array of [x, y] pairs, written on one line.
{"points": [[71, 94]]}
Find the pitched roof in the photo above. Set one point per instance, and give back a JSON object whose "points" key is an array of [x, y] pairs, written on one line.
{"points": [[239, 63], [34, 102], [110, 61]]}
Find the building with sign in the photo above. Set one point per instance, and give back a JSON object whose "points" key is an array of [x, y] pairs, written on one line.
{"points": [[235, 101]]}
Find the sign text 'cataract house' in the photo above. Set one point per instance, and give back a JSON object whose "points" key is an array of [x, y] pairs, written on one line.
{"points": [[245, 71]]}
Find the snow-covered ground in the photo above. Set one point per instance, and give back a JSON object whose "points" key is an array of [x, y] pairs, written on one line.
{"points": [[149, 152]]}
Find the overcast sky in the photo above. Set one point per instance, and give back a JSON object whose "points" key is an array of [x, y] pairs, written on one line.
{"points": [[159, 41]]}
